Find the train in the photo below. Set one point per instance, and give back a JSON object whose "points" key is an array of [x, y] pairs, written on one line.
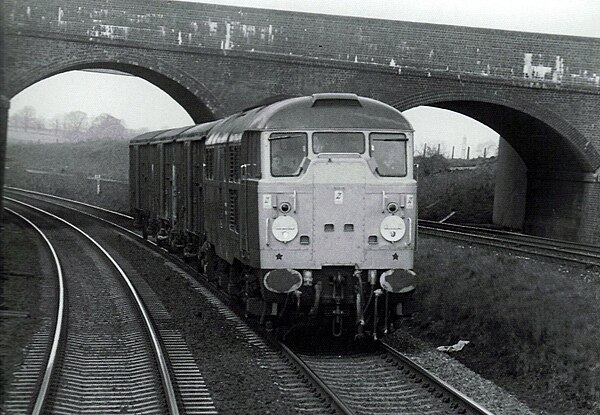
{"points": [[304, 208]]}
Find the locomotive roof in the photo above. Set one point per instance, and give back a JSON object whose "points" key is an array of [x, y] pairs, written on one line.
{"points": [[334, 110], [315, 112]]}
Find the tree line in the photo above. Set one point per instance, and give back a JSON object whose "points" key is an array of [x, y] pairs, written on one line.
{"points": [[74, 125]]}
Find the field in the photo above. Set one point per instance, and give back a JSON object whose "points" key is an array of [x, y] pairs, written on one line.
{"points": [[533, 326], [65, 169]]}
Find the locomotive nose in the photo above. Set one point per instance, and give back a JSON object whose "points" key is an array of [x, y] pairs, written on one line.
{"points": [[338, 211]]}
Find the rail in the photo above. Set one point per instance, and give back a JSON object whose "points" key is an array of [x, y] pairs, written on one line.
{"points": [[341, 407], [160, 356], [465, 401], [16, 189], [336, 403], [60, 316], [521, 243]]}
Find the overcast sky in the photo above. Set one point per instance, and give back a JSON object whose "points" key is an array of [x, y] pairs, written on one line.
{"points": [[568, 17], [144, 105]]}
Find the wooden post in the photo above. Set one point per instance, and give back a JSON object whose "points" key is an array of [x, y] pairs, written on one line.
{"points": [[98, 178]]}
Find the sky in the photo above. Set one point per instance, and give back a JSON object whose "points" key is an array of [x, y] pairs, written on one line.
{"points": [[569, 17], [146, 106]]}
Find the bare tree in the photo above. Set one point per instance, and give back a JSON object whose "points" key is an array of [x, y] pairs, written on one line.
{"points": [[55, 124], [75, 124], [25, 118]]}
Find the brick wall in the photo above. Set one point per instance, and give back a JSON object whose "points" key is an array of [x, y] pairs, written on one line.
{"points": [[442, 48], [564, 209]]}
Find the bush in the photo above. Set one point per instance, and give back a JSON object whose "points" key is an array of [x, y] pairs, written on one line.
{"points": [[432, 165]]}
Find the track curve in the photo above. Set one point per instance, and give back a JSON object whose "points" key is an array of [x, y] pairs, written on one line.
{"points": [[96, 354]]}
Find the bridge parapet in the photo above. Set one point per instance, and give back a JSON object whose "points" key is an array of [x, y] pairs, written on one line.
{"points": [[530, 59]]}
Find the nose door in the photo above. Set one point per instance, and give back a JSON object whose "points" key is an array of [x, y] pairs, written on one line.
{"points": [[338, 211]]}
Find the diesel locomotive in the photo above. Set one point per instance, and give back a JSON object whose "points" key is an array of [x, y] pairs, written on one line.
{"points": [[303, 207]]}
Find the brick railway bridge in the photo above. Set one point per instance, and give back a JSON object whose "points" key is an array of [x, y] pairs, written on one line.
{"points": [[540, 92]]}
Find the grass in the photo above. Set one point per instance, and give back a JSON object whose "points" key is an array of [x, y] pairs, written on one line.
{"points": [[68, 166], [468, 192], [533, 326], [108, 158]]}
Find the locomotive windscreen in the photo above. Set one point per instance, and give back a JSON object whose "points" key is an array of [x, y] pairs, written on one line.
{"points": [[389, 151], [338, 142], [287, 152]]}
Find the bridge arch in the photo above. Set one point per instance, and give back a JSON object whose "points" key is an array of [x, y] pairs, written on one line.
{"points": [[199, 102], [543, 193], [543, 139]]}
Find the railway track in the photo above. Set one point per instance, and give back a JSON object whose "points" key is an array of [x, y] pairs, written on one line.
{"points": [[382, 381], [291, 384], [31, 388], [313, 380], [107, 355], [113, 217], [554, 249]]}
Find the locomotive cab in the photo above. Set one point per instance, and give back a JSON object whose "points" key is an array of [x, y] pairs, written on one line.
{"points": [[339, 208]]}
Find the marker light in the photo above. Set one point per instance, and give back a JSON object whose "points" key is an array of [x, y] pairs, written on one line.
{"points": [[284, 228], [285, 207], [392, 228]]}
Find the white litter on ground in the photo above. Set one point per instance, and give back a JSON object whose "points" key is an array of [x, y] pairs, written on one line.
{"points": [[455, 347]]}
